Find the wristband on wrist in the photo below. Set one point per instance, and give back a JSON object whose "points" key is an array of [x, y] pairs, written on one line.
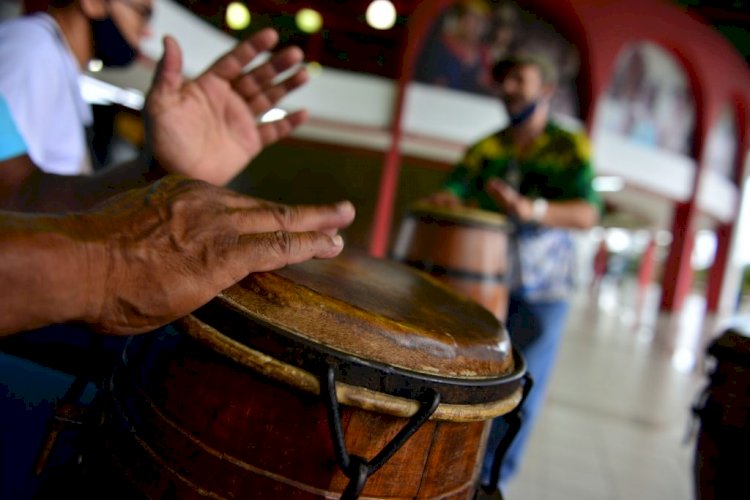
{"points": [[539, 210]]}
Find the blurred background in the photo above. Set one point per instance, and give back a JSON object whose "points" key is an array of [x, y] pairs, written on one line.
{"points": [[663, 89], [661, 86]]}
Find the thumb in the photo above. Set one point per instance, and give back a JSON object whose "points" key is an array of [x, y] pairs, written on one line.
{"points": [[168, 75]]}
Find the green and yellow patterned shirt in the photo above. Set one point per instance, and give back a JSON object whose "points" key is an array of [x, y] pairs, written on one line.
{"points": [[557, 167]]}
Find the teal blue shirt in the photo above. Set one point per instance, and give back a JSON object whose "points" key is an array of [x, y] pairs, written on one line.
{"points": [[11, 143]]}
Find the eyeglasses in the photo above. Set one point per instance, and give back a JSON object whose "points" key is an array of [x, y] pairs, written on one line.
{"points": [[142, 10]]}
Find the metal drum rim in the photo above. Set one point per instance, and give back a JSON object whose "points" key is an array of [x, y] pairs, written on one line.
{"points": [[362, 396], [468, 216]]}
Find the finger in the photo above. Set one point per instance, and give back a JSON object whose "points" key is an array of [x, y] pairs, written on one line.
{"points": [[263, 76], [299, 218], [451, 201], [269, 251], [261, 102], [231, 64], [273, 131], [500, 191], [168, 74]]}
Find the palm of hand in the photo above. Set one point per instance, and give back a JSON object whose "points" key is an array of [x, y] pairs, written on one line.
{"points": [[205, 131], [208, 128]]}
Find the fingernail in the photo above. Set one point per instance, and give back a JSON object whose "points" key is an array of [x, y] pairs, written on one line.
{"points": [[338, 240], [344, 206]]}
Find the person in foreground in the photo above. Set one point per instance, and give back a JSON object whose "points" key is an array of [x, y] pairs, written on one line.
{"points": [[127, 250], [150, 255], [540, 175]]}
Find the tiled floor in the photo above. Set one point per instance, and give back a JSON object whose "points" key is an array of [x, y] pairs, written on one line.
{"points": [[618, 409]]}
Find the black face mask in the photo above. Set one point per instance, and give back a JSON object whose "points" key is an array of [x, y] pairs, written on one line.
{"points": [[109, 45], [524, 114]]}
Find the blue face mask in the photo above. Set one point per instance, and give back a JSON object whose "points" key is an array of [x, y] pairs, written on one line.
{"points": [[523, 115], [109, 45]]}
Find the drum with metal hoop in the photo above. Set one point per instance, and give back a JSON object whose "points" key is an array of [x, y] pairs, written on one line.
{"points": [[344, 377], [721, 459], [462, 246]]}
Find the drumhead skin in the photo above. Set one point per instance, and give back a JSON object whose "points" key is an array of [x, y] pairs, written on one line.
{"points": [[386, 326], [461, 214], [733, 345]]}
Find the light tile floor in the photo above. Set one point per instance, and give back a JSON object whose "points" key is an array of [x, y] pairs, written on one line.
{"points": [[618, 409]]}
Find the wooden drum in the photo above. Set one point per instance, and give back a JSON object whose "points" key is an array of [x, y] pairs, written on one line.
{"points": [[344, 377], [721, 460], [464, 247]]}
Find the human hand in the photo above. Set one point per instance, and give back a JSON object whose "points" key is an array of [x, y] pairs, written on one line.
{"points": [[509, 200], [162, 251], [208, 128]]}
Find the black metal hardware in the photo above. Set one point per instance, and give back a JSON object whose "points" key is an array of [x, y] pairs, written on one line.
{"points": [[514, 420], [357, 468], [452, 272]]}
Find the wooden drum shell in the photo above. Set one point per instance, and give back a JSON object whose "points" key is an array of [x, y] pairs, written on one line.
{"points": [[721, 461], [226, 402], [465, 248], [269, 441]]}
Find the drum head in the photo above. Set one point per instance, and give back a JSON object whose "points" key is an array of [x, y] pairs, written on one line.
{"points": [[464, 215], [733, 345], [384, 325]]}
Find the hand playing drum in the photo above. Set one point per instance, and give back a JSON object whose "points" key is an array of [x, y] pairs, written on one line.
{"points": [[152, 255]]}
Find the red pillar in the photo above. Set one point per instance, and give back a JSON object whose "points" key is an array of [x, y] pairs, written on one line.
{"points": [[719, 268], [419, 24], [725, 232], [678, 271], [314, 47], [388, 181], [646, 268]]}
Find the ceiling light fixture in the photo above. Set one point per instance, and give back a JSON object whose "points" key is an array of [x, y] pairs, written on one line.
{"points": [[309, 20], [381, 14], [237, 16]]}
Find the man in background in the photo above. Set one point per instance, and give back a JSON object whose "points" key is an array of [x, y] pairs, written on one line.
{"points": [[540, 175]]}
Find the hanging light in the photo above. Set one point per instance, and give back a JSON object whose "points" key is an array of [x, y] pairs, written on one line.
{"points": [[381, 14], [237, 16], [314, 68], [309, 20]]}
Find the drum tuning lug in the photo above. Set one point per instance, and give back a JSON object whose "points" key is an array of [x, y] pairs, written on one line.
{"points": [[357, 468]]}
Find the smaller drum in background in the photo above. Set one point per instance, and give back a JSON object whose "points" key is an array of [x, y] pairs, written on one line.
{"points": [[721, 457], [464, 247]]}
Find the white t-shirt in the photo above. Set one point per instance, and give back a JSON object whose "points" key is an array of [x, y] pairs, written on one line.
{"points": [[39, 81]]}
